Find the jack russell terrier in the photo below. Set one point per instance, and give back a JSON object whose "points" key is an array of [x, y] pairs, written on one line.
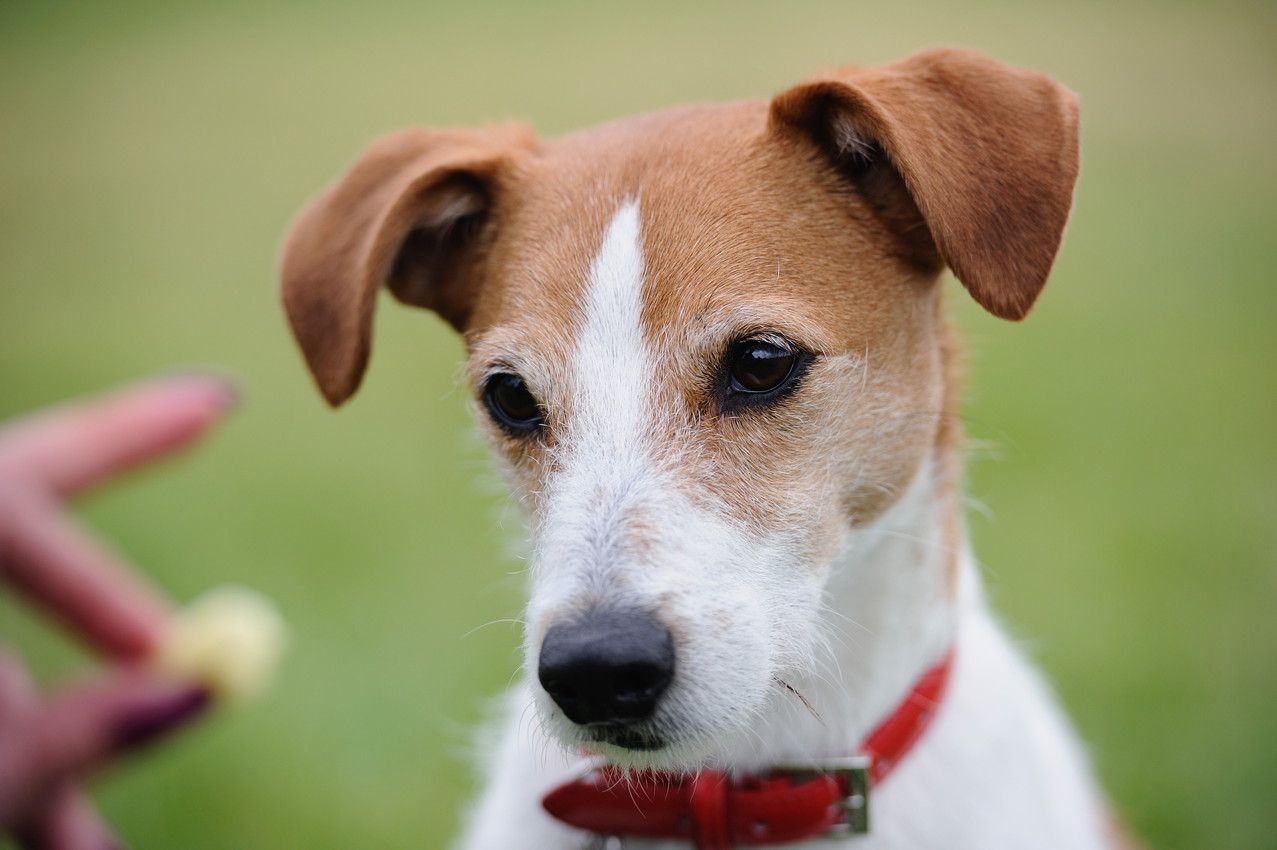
{"points": [[708, 348]]}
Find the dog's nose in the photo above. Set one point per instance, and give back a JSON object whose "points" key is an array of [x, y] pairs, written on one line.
{"points": [[609, 667]]}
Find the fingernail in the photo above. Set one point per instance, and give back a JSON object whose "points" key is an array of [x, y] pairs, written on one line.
{"points": [[226, 387], [231, 392], [146, 724]]}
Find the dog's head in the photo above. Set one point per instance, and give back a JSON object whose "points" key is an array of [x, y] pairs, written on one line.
{"points": [[705, 344]]}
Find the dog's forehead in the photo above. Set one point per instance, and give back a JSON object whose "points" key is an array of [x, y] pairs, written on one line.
{"points": [[736, 231]]}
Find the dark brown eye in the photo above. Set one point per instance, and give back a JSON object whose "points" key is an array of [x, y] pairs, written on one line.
{"points": [[761, 367], [511, 404]]}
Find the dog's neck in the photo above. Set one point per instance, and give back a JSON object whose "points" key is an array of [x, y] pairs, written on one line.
{"points": [[890, 614]]}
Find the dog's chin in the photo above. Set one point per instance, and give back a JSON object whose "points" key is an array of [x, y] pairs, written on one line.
{"points": [[673, 754], [625, 738], [624, 745], [649, 754], [641, 747]]}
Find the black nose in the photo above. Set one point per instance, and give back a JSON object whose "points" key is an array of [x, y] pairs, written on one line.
{"points": [[608, 667]]}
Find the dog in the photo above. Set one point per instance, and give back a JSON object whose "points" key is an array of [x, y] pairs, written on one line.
{"points": [[708, 348]]}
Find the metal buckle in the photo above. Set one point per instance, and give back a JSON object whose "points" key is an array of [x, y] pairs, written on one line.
{"points": [[854, 805]]}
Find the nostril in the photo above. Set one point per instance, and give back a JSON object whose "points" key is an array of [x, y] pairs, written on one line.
{"points": [[610, 666]]}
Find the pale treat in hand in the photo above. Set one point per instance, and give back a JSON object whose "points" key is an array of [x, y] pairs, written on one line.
{"points": [[229, 639]]}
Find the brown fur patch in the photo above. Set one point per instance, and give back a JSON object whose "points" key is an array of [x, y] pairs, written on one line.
{"points": [[988, 153]]}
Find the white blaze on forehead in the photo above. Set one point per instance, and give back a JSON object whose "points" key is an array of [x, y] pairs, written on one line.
{"points": [[605, 462], [616, 528], [610, 369]]}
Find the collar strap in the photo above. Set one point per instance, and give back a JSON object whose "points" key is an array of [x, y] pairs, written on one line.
{"points": [[717, 810]]}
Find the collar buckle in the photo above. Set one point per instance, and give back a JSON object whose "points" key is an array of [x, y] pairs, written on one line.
{"points": [[852, 773]]}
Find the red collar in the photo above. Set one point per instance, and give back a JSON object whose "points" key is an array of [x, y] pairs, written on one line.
{"points": [[715, 810]]}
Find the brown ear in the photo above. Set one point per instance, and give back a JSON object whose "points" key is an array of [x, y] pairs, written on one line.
{"points": [[984, 154], [413, 212]]}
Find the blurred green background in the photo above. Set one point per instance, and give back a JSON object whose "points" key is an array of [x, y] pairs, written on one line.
{"points": [[1123, 469]]}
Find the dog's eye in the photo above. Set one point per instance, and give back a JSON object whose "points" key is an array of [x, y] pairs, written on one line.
{"points": [[759, 367], [511, 404]]}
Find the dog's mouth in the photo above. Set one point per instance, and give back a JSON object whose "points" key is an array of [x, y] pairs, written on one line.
{"points": [[625, 736]]}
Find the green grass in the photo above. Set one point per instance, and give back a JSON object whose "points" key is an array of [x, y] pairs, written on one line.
{"points": [[151, 154]]}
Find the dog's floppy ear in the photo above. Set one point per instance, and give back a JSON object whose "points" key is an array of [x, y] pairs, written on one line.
{"points": [[414, 213], [981, 155]]}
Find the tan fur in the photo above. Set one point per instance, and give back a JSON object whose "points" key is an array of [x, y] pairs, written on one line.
{"points": [[343, 247], [988, 153]]}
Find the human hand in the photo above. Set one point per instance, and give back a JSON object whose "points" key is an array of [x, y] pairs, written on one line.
{"points": [[50, 744]]}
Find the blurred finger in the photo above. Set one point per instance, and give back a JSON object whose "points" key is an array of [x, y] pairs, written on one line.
{"points": [[73, 447], [68, 822], [80, 730], [17, 690], [47, 557]]}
